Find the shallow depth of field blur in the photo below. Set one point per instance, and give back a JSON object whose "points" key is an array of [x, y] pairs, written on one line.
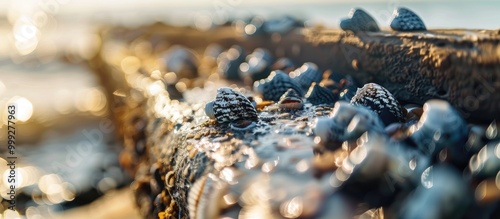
{"points": [[67, 146]]}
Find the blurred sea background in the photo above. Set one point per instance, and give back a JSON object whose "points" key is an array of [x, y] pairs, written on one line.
{"points": [[66, 144]]}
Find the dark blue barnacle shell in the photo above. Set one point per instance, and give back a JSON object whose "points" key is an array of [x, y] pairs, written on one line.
{"points": [[319, 95], [381, 101], [359, 20], [182, 61], [346, 122], [257, 65], [290, 100], [228, 62], [230, 106], [442, 193], [366, 176], [307, 74], [406, 20], [439, 127], [276, 85]]}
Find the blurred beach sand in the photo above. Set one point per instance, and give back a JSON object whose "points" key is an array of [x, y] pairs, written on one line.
{"points": [[116, 204]]}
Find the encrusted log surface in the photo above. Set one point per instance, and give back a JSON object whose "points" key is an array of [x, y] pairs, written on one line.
{"points": [[461, 66], [176, 144]]}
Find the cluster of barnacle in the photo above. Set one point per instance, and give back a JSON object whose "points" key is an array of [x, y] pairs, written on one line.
{"points": [[403, 20], [369, 147], [411, 161], [369, 151]]}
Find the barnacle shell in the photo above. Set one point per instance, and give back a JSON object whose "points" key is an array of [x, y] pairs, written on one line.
{"points": [[182, 61], [257, 65], [204, 197], [320, 95], [381, 101], [290, 100], [359, 20], [276, 85], [346, 122], [230, 105], [439, 126], [307, 74], [368, 158], [229, 61], [406, 20], [442, 193]]}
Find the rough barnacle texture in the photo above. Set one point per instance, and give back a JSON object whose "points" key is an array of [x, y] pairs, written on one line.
{"points": [[406, 20], [274, 86], [320, 95], [231, 105], [378, 99], [359, 20]]}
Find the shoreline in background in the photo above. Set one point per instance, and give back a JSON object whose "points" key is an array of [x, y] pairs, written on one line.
{"points": [[434, 14], [441, 14]]}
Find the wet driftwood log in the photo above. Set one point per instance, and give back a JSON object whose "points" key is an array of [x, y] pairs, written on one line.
{"points": [[171, 144], [461, 66]]}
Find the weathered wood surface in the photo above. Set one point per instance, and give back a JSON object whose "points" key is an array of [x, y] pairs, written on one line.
{"points": [[174, 139], [461, 66]]}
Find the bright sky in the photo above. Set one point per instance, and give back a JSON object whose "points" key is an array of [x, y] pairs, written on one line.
{"points": [[449, 9], [91, 5], [4, 4]]}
